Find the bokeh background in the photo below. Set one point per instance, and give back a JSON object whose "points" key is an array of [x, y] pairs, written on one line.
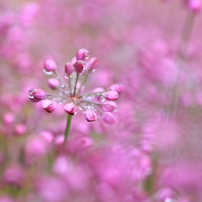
{"points": [[154, 152]]}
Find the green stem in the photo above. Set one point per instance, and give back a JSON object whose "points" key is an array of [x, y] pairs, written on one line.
{"points": [[186, 35], [150, 183], [69, 118], [181, 55]]}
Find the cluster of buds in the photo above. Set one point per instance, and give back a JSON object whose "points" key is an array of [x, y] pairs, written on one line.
{"points": [[99, 103]]}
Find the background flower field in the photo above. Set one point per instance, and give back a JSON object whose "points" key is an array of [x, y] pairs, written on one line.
{"points": [[154, 153]]}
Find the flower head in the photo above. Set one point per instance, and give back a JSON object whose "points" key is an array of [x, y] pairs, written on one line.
{"points": [[70, 89]]}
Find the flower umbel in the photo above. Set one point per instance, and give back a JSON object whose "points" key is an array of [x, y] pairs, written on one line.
{"points": [[99, 103]]}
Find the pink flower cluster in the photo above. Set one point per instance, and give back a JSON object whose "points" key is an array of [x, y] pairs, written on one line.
{"points": [[98, 103]]}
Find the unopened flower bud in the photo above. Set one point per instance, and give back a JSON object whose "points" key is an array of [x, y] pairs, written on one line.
{"points": [[79, 66], [69, 68], [90, 115], [13, 175], [92, 64], [118, 87], [111, 95], [194, 5], [109, 118], [37, 94], [8, 118], [50, 65], [33, 99], [53, 83], [35, 147], [70, 108], [109, 106], [98, 90], [73, 60], [59, 140], [82, 54], [49, 105], [20, 129], [48, 136]]}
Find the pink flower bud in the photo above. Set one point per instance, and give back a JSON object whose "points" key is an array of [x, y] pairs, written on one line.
{"points": [[53, 83], [109, 106], [59, 139], [48, 136], [70, 108], [37, 94], [35, 147], [82, 54], [98, 90], [13, 175], [49, 105], [69, 68], [20, 129], [194, 5], [79, 66], [92, 64], [118, 87], [90, 115], [109, 118], [33, 100], [50, 65], [111, 95], [8, 118], [73, 60]]}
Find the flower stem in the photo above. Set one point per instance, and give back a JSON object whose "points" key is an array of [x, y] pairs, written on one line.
{"points": [[96, 94], [69, 118], [85, 77], [70, 85], [181, 56], [77, 77], [186, 35]]}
